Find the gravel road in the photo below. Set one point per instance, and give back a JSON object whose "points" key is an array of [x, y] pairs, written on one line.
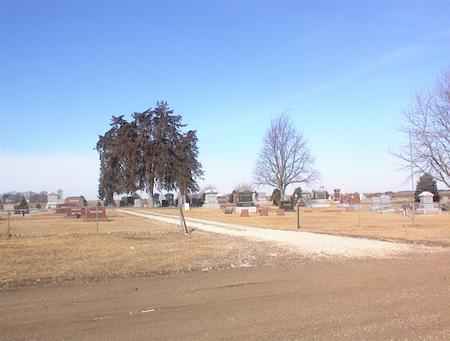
{"points": [[306, 243]]}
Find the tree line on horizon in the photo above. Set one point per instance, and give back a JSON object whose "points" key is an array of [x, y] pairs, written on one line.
{"points": [[150, 151]]}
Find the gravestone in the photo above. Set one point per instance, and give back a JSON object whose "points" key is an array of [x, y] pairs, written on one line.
{"points": [[245, 199], [244, 213], [280, 212], [138, 203], [245, 202], [156, 200], [337, 195], [263, 211], [169, 197], [228, 210], [320, 194], [426, 205], [196, 200], [382, 203], [223, 200], [94, 213], [250, 209], [385, 202], [320, 203], [305, 200], [211, 200], [287, 205], [375, 203]]}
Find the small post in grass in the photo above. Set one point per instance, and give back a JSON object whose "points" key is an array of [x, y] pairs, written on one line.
{"points": [[96, 218], [298, 217], [359, 216], [183, 221], [9, 224]]}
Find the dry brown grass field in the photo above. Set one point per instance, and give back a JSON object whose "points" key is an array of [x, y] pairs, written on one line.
{"points": [[51, 248], [427, 229], [48, 248]]}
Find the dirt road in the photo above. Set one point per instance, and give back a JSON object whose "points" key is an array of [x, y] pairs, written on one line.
{"points": [[372, 299]]}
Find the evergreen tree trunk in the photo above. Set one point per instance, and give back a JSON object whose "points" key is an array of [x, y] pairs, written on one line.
{"points": [[110, 200], [181, 207]]}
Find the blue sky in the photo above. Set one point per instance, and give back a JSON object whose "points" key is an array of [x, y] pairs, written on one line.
{"points": [[344, 71]]}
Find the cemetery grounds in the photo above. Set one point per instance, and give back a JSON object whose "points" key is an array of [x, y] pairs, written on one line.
{"points": [[46, 247]]}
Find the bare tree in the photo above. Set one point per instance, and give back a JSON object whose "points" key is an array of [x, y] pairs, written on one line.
{"points": [[285, 157], [428, 127]]}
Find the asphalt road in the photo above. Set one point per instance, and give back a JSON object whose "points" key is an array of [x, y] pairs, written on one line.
{"points": [[390, 299]]}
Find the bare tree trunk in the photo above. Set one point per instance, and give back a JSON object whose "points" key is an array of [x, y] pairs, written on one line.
{"points": [[182, 219], [283, 193]]}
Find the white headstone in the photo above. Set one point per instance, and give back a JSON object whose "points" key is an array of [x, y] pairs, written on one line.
{"points": [[426, 199], [320, 203], [382, 203], [138, 203], [426, 205], [211, 200]]}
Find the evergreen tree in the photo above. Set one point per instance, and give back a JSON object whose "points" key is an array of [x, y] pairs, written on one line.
{"points": [[23, 205], [427, 183], [276, 197], [166, 134], [297, 195], [145, 152], [149, 151], [186, 167]]}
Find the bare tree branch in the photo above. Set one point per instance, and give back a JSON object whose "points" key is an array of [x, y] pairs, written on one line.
{"points": [[284, 158], [428, 124]]}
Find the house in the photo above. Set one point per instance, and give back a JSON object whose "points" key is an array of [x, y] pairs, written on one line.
{"points": [[53, 200], [8, 207]]}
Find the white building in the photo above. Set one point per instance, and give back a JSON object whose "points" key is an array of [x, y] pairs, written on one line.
{"points": [[53, 200]]}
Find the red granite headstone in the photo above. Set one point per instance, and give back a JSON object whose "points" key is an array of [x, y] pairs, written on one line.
{"points": [[244, 213]]}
